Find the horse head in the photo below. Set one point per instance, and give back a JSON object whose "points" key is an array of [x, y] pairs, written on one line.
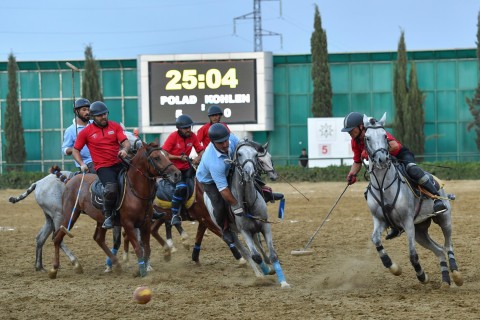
{"points": [[265, 161], [376, 142], [152, 162], [245, 160]]}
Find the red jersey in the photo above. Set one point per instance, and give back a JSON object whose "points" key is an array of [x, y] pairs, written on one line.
{"points": [[202, 133], [357, 148], [103, 143], [176, 145]]}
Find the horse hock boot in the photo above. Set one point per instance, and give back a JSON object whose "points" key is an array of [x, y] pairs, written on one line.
{"points": [[424, 180], [109, 200]]}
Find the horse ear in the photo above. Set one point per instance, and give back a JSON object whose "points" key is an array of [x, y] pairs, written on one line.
{"points": [[265, 146], [382, 120], [365, 120]]}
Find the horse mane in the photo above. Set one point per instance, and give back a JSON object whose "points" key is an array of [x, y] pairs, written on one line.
{"points": [[58, 172]]}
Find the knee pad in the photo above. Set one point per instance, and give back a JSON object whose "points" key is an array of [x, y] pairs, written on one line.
{"points": [[416, 173], [110, 191], [180, 190]]}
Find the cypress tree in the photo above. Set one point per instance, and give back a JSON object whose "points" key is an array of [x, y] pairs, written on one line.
{"points": [[474, 103], [91, 80], [414, 115], [15, 143], [400, 88], [322, 87]]}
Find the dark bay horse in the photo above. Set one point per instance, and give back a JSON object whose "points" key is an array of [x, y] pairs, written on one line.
{"points": [[393, 200], [135, 209]]}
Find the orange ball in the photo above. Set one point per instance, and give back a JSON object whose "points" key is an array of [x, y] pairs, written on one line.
{"points": [[142, 295]]}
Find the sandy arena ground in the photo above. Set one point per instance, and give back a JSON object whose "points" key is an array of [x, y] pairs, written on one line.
{"points": [[343, 279]]}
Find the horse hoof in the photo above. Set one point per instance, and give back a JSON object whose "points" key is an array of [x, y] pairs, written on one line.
{"points": [[427, 280], [52, 274], [173, 250], [149, 268], [285, 285], [445, 286], [242, 262], [77, 267], [125, 257], [108, 269], [457, 278], [117, 268], [395, 269], [184, 236]]}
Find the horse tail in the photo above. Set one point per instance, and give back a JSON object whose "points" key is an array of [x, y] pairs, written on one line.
{"points": [[58, 172], [23, 195]]}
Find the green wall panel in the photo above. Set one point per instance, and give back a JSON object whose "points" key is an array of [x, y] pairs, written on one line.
{"points": [[3, 85], [278, 141], [50, 84], [340, 105], [31, 114], [33, 144], [382, 77], [426, 75], [298, 140], [360, 77], [382, 102], [430, 138], [67, 89], [111, 82], [446, 105], [131, 113], [299, 79], [52, 145], [463, 108], [280, 79], [429, 107], [467, 74], [446, 75], [68, 114], [446, 141], [299, 105], [130, 88], [280, 110], [361, 103], [114, 109], [29, 85], [340, 78], [51, 114]]}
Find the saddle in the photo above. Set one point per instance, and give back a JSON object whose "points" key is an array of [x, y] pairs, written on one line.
{"points": [[96, 191], [165, 190]]}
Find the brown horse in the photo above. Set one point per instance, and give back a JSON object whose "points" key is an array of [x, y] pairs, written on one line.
{"points": [[135, 210]]}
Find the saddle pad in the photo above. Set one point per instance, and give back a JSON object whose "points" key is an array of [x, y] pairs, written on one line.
{"points": [[165, 190]]}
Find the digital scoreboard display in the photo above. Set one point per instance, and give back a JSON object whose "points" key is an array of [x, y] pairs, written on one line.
{"points": [[239, 83], [191, 87]]}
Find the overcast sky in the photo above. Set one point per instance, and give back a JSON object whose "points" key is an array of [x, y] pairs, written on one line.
{"points": [[60, 29]]}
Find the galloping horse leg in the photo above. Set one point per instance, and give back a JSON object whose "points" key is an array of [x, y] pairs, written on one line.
{"points": [[145, 230], [246, 254], [99, 237], [378, 228], [42, 236], [410, 231], [167, 250], [183, 236], [132, 236], [198, 242], [168, 232], [267, 234], [424, 239], [445, 223], [117, 242]]}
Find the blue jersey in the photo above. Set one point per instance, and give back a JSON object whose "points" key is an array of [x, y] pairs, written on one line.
{"points": [[212, 168], [69, 138]]}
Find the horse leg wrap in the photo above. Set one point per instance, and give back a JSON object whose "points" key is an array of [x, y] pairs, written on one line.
{"points": [[279, 271], [445, 273], [265, 268], [108, 261], [196, 252], [235, 251], [452, 261], [257, 258], [421, 277], [387, 262], [142, 267]]}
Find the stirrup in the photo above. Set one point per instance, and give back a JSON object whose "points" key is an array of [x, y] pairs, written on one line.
{"points": [[439, 206], [394, 232]]}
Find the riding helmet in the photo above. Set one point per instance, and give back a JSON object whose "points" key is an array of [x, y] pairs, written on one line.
{"points": [[184, 121], [352, 120], [213, 110], [80, 103], [218, 133], [97, 108]]}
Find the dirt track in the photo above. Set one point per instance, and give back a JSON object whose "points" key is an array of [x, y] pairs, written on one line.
{"points": [[343, 279]]}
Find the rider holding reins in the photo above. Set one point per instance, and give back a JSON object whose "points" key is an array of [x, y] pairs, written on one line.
{"points": [[353, 124]]}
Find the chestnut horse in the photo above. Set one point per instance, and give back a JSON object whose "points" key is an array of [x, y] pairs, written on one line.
{"points": [[135, 209]]}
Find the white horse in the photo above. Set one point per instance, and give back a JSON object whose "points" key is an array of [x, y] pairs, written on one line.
{"points": [[254, 222], [393, 201]]}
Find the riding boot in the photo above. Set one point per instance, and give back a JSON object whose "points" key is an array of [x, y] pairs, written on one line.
{"points": [[176, 205], [438, 205], [108, 212], [393, 233]]}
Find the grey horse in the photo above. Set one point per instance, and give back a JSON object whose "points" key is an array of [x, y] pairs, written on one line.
{"points": [[392, 200]]}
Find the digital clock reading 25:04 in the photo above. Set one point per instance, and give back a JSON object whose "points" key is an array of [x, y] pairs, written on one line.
{"points": [[191, 87]]}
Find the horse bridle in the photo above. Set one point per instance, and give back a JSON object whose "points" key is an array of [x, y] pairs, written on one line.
{"points": [[371, 154]]}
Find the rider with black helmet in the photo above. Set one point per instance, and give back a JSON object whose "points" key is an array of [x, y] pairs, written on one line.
{"points": [[212, 173], [215, 114], [353, 124], [81, 110], [179, 145], [104, 138]]}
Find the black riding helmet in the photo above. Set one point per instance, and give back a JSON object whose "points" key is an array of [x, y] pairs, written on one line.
{"points": [[184, 121], [80, 103], [97, 108], [351, 121], [213, 110], [218, 133]]}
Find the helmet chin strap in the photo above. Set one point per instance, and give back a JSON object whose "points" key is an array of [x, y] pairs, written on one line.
{"points": [[360, 130]]}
